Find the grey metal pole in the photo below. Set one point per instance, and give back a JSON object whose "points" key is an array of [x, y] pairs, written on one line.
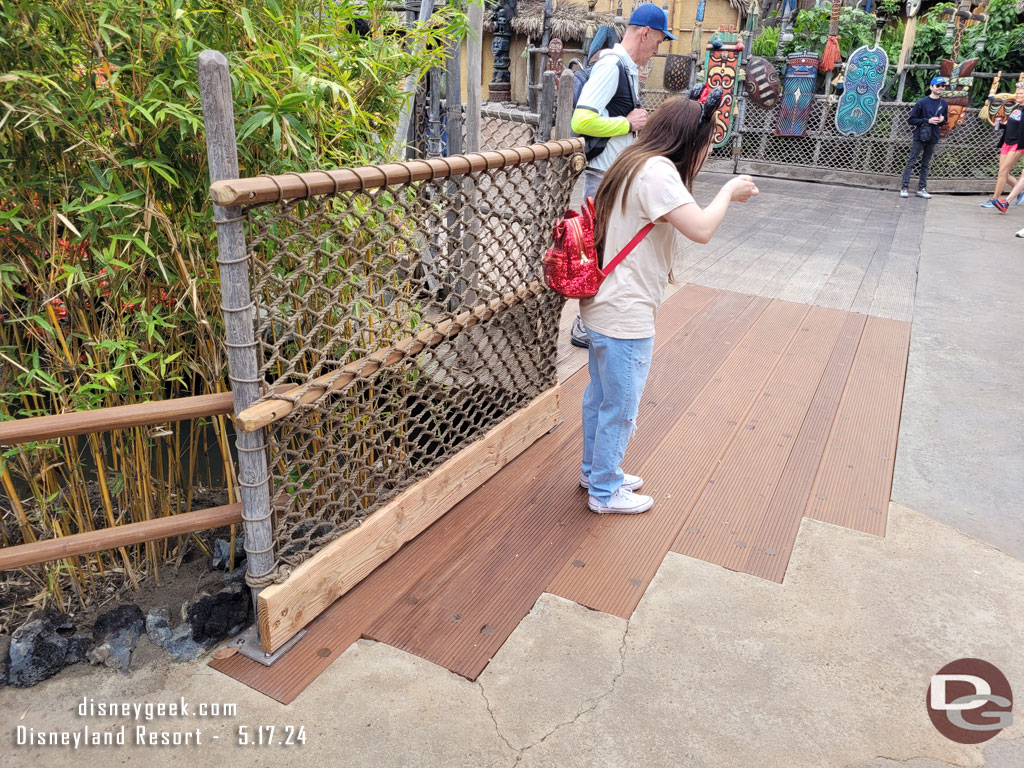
{"points": [[238, 309]]}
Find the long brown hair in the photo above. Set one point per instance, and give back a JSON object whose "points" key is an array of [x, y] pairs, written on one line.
{"points": [[675, 131]]}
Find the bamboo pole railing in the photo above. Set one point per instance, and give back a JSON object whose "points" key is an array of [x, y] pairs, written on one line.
{"points": [[256, 190], [121, 536], [39, 428]]}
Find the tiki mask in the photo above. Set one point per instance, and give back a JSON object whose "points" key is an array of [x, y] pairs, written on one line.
{"points": [[957, 92], [555, 55], [997, 106]]}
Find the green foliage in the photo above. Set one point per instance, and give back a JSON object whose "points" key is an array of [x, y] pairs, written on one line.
{"points": [[766, 43], [889, 8], [105, 219], [810, 30], [108, 283], [1003, 48]]}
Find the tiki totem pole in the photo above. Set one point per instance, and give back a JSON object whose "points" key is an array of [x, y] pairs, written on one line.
{"points": [[500, 87]]}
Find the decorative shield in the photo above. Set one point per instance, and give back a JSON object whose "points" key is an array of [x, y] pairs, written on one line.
{"points": [[858, 106], [762, 84], [721, 64], [678, 70], [797, 94]]}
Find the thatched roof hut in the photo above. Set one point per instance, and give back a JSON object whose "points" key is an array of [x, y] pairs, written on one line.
{"points": [[568, 21]]}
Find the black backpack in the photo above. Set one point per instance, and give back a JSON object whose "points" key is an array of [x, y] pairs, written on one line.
{"points": [[595, 145]]}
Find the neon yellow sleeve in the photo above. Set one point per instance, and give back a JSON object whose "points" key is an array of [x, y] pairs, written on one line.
{"points": [[586, 122]]}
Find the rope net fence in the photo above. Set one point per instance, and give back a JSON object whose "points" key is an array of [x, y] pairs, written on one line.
{"points": [[408, 319], [966, 159]]}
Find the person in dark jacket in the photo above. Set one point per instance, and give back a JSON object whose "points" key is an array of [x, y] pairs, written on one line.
{"points": [[926, 117]]}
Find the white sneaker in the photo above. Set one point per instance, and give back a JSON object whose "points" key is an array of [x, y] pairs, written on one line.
{"points": [[629, 482], [923, 193], [622, 502], [904, 192], [1020, 233]]}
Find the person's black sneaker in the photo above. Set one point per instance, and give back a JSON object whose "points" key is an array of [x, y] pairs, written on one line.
{"points": [[578, 336]]}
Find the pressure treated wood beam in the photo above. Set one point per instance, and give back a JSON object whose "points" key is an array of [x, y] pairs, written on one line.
{"points": [[284, 609]]}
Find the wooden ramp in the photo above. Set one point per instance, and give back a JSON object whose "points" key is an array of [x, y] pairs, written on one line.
{"points": [[757, 412]]}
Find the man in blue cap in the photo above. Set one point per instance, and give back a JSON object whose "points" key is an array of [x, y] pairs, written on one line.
{"points": [[926, 117], [609, 112]]}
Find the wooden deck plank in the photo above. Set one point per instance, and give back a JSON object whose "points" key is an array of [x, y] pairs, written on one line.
{"points": [[348, 618], [461, 610], [736, 500], [772, 546], [680, 371], [854, 479], [620, 562], [455, 593]]}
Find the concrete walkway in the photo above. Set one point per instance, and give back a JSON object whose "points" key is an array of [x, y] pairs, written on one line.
{"points": [[715, 668]]}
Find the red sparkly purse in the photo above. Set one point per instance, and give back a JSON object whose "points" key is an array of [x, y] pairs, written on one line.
{"points": [[571, 266]]}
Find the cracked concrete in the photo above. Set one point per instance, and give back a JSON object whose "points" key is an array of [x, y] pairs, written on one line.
{"points": [[583, 665], [715, 668]]}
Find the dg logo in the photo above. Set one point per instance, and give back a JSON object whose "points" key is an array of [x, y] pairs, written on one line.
{"points": [[970, 701]]}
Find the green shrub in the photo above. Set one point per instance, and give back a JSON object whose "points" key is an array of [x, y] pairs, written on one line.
{"points": [[108, 282]]}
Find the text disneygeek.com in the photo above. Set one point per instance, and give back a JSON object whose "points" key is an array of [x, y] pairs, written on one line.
{"points": [[145, 732]]}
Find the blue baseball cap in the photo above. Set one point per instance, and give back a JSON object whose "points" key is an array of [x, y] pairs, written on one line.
{"points": [[939, 81], [650, 15]]}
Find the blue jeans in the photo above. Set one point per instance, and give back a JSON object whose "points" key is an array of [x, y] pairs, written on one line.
{"points": [[924, 150], [618, 372]]}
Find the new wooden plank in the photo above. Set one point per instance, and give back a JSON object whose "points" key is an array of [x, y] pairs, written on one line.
{"points": [[461, 610], [284, 609], [679, 372], [350, 616], [772, 546], [330, 633], [119, 536], [618, 563], [733, 506], [854, 479]]}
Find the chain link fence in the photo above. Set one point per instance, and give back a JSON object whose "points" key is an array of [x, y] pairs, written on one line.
{"points": [[966, 160]]}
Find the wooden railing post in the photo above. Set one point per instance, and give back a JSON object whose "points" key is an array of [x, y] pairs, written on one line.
{"points": [[546, 107], [563, 113], [239, 315]]}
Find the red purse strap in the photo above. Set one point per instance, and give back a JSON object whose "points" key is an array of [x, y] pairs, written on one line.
{"points": [[629, 247]]}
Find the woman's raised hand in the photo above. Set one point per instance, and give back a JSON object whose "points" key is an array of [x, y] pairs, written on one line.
{"points": [[740, 188]]}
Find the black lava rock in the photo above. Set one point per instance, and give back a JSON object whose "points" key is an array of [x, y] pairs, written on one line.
{"points": [[222, 552], [116, 633], [178, 641], [215, 617], [5, 648], [39, 648]]}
